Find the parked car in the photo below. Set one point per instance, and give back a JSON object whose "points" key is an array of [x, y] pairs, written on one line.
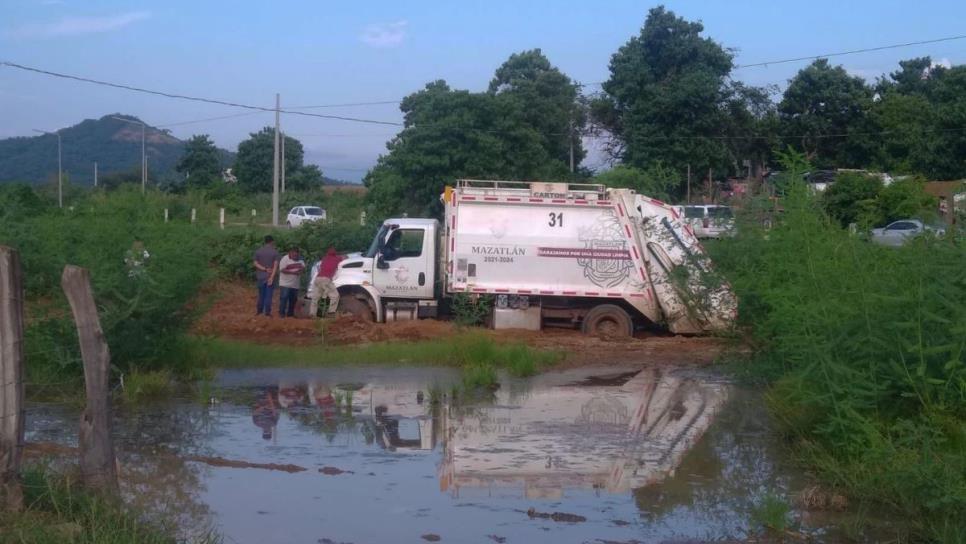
{"points": [[301, 214], [709, 220], [899, 232]]}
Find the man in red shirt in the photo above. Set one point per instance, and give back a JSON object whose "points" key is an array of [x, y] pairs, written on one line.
{"points": [[323, 283]]}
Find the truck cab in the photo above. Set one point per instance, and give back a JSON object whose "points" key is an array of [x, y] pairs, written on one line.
{"points": [[396, 276]]}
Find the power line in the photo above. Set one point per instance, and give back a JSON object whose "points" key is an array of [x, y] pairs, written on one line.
{"points": [[348, 105], [852, 52], [180, 123], [192, 98]]}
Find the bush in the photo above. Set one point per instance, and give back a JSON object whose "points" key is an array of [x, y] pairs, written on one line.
{"points": [[864, 347], [469, 310]]}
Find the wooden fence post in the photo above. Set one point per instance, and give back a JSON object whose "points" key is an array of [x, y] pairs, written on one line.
{"points": [[98, 468], [165, 215], [193, 215], [221, 217], [11, 379]]}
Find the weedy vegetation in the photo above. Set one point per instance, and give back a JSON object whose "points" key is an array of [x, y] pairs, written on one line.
{"points": [[862, 350]]}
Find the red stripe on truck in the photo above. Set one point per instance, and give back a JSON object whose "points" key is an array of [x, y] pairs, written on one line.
{"points": [[620, 208], [613, 294], [643, 275], [658, 202], [536, 200], [636, 254], [524, 291], [591, 293], [468, 198], [603, 202], [546, 292], [580, 201], [512, 199], [559, 201], [628, 231], [490, 198], [479, 290], [570, 292], [583, 253], [501, 290]]}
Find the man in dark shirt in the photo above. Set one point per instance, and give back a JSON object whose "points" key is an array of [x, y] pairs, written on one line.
{"points": [[266, 265]]}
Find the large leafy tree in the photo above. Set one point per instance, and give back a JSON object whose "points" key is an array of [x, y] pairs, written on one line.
{"points": [[254, 161], [548, 99], [200, 162], [825, 113], [667, 97], [451, 134]]}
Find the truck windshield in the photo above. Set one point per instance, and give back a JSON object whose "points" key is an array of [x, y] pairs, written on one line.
{"points": [[374, 247]]}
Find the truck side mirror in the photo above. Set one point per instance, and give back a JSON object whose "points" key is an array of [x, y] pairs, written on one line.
{"points": [[381, 263]]}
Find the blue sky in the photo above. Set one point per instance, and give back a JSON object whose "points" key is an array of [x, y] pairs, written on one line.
{"points": [[318, 52]]}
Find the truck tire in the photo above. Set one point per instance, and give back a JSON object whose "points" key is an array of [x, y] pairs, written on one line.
{"points": [[359, 308], [608, 320]]}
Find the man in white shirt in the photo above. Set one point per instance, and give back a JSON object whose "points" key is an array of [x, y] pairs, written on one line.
{"points": [[290, 274]]}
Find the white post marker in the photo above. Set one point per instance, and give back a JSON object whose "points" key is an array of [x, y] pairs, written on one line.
{"points": [[193, 215], [221, 217], [165, 215]]}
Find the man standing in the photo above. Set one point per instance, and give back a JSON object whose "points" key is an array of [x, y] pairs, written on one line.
{"points": [[290, 275], [266, 264], [322, 283]]}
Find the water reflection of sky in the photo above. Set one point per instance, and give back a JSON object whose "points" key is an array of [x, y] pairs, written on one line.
{"points": [[418, 462]]}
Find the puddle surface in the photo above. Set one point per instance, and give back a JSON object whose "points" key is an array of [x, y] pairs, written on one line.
{"points": [[390, 456]]}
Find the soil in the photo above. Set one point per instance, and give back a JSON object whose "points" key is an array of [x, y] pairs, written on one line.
{"points": [[231, 315]]}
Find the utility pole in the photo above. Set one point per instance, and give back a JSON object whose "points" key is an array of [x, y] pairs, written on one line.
{"points": [[571, 146], [689, 184], [282, 159], [275, 169], [95, 173], [144, 163], [60, 176]]}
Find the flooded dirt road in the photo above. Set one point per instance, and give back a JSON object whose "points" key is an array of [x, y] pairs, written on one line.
{"points": [[402, 455]]}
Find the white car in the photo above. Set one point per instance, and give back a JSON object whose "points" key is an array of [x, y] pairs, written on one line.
{"points": [[708, 220], [301, 214], [899, 232]]}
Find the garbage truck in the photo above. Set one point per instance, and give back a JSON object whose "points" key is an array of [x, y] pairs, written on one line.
{"points": [[543, 254]]}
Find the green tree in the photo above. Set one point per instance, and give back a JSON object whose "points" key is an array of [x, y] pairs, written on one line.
{"points": [[452, 134], [853, 198], [548, 99], [254, 162], [666, 97], [656, 181], [825, 113], [199, 162], [904, 199]]}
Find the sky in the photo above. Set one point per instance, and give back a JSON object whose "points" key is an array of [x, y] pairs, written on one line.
{"points": [[315, 52]]}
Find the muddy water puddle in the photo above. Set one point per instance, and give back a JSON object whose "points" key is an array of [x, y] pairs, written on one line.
{"points": [[402, 455]]}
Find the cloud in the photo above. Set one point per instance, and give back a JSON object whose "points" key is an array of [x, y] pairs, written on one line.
{"points": [[384, 34], [74, 26], [944, 62]]}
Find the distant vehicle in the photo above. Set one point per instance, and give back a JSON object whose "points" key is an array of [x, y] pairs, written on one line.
{"points": [[899, 232], [708, 220], [301, 214]]}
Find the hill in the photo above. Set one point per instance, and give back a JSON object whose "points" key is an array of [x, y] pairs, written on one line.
{"points": [[114, 144]]}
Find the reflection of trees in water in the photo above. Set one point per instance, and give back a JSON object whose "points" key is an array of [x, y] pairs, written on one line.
{"points": [[725, 471], [154, 479]]}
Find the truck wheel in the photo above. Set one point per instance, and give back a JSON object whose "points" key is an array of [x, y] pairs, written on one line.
{"points": [[359, 308], [608, 320]]}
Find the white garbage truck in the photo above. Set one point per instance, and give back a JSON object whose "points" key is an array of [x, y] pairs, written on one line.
{"points": [[581, 255]]}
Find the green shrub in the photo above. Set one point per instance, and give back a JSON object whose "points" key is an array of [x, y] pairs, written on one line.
{"points": [[864, 347], [150, 385], [469, 310], [771, 512]]}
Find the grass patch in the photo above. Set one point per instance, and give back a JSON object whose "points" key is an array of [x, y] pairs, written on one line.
{"points": [[461, 350], [772, 513], [149, 385], [58, 511]]}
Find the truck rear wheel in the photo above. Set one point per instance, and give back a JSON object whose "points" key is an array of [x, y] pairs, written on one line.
{"points": [[357, 307], [608, 320]]}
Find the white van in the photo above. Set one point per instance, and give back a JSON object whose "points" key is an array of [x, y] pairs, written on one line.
{"points": [[709, 220]]}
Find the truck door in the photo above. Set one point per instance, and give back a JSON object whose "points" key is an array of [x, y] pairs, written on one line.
{"points": [[404, 266]]}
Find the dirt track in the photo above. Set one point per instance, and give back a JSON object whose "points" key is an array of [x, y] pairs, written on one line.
{"points": [[232, 315]]}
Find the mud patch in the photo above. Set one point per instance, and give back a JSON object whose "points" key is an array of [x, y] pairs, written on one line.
{"points": [[332, 471], [562, 517], [606, 380]]}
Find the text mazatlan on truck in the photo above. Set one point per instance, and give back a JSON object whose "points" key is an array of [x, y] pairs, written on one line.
{"points": [[606, 260]]}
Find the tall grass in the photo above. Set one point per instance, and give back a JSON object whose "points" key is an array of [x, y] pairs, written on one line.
{"points": [[863, 347], [461, 350], [57, 511]]}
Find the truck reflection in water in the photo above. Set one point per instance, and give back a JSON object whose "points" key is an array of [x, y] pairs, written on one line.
{"points": [[537, 443]]}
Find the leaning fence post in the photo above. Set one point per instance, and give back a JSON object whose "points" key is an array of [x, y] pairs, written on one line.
{"points": [[98, 468], [11, 378]]}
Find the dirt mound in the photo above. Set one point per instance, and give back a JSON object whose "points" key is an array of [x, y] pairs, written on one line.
{"points": [[232, 315], [347, 329]]}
